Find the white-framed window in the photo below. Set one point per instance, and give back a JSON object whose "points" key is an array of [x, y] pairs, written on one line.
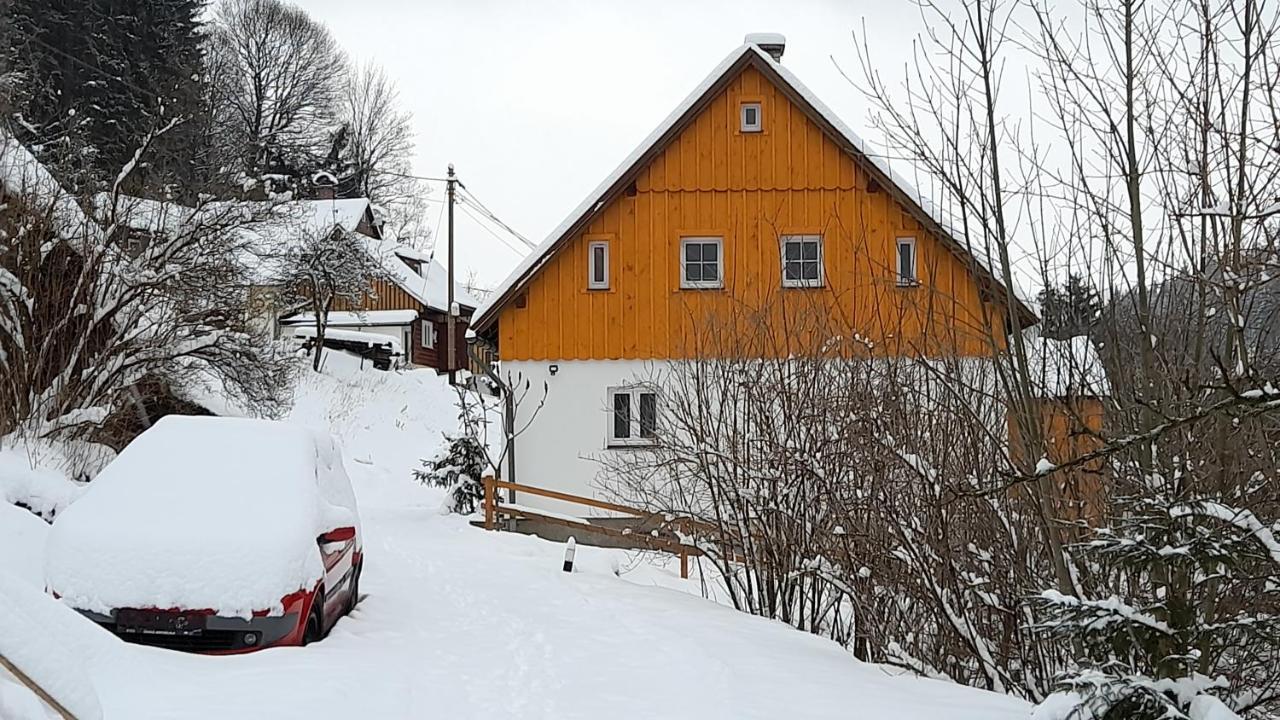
{"points": [[751, 115], [598, 265], [701, 262], [427, 334], [906, 266], [633, 416], [802, 261]]}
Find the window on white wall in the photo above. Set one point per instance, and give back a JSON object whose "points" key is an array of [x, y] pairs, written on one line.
{"points": [[907, 276], [802, 261], [598, 265], [428, 334], [633, 416], [701, 262]]}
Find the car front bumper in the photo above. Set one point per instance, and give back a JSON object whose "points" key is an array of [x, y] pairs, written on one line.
{"points": [[219, 635]]}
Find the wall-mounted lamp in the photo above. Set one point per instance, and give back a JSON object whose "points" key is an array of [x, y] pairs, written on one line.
{"points": [[554, 369]]}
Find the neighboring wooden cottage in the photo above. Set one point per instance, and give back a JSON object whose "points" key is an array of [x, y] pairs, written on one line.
{"points": [[751, 194], [410, 305], [404, 315]]}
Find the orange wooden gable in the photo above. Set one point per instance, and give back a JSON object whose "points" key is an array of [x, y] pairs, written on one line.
{"points": [[705, 177]]}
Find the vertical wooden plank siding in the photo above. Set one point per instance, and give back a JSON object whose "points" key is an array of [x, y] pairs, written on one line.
{"points": [[750, 189]]}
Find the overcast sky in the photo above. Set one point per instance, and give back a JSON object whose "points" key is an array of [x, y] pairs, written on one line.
{"points": [[535, 103]]}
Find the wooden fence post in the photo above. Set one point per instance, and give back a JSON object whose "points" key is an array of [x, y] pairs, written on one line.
{"points": [[684, 563], [489, 490]]}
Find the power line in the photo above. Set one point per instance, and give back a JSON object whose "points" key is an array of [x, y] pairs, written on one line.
{"points": [[466, 209], [408, 176], [472, 200], [436, 233]]}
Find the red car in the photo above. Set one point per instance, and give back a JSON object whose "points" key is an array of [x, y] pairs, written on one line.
{"points": [[214, 535], [307, 617]]}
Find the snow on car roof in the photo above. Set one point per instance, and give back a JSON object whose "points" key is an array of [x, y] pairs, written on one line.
{"points": [[202, 513]]}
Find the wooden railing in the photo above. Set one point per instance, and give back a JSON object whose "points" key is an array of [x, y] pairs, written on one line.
{"points": [[493, 510]]}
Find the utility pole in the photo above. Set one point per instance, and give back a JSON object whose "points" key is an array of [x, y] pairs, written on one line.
{"points": [[450, 363]]}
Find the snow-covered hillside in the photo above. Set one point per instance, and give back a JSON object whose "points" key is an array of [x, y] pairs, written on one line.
{"points": [[460, 623]]}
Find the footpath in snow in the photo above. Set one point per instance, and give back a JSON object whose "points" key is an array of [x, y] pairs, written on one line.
{"points": [[460, 623]]}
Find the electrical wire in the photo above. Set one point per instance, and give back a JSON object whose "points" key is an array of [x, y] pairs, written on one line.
{"points": [[467, 211], [472, 200], [409, 176]]}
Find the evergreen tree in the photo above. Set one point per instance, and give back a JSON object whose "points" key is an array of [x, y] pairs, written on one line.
{"points": [[1070, 310], [458, 467], [1198, 613], [96, 76]]}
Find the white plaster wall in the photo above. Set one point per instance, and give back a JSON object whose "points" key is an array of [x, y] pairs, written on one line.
{"points": [[562, 446], [560, 449]]}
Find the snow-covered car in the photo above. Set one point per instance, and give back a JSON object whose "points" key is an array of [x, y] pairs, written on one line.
{"points": [[214, 535]]}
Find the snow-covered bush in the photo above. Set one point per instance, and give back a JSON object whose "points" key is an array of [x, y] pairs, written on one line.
{"points": [[458, 467], [92, 312]]}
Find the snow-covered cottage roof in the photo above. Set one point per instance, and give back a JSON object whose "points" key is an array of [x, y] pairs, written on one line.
{"points": [[1065, 368], [151, 216], [749, 53], [429, 287], [366, 318], [22, 175]]}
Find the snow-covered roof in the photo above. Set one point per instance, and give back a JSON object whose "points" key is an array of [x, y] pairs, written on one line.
{"points": [[367, 318], [1063, 368], [281, 222], [135, 213], [747, 52], [202, 513], [412, 253], [351, 336], [430, 287], [22, 175]]}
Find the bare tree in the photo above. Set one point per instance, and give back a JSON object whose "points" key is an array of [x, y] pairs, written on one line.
{"points": [[829, 484], [1150, 159], [322, 265], [379, 139], [278, 77]]}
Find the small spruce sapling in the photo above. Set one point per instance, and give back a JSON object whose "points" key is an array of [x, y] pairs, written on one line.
{"points": [[458, 467]]}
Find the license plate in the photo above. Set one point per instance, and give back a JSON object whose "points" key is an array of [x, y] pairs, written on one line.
{"points": [[154, 622]]}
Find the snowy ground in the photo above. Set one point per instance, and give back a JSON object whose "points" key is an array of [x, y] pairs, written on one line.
{"points": [[460, 623]]}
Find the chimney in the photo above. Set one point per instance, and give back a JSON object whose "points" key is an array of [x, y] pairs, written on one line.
{"points": [[325, 185], [773, 43]]}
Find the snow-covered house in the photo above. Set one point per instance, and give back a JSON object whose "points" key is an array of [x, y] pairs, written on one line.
{"points": [[753, 194], [1072, 391], [407, 309], [404, 314]]}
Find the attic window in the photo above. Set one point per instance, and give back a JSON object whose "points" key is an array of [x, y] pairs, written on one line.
{"points": [[907, 276], [598, 265], [751, 117]]}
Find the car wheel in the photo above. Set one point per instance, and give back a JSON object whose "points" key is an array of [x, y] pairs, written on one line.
{"points": [[354, 592], [315, 621]]}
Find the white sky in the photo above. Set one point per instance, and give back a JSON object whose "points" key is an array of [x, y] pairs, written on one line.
{"points": [[535, 103]]}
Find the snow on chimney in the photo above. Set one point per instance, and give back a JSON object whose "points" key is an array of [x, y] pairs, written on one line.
{"points": [[326, 185], [773, 43]]}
